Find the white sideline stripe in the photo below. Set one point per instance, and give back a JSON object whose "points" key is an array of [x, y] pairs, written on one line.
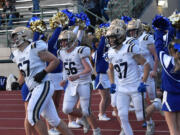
{"points": [[10, 99], [67, 119], [21, 1], [109, 130]]}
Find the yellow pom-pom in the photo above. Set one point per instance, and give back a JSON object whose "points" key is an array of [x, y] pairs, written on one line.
{"points": [[99, 32], [57, 19], [38, 26], [81, 24], [175, 19]]}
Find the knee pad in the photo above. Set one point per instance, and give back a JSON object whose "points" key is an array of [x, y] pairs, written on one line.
{"points": [[139, 115], [157, 104], [86, 112], [67, 110], [85, 106], [52, 118], [123, 118], [54, 122]]}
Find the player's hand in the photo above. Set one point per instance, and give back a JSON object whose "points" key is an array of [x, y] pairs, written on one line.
{"points": [[153, 74], [93, 77], [73, 77], [113, 88], [15, 86], [40, 76], [64, 84], [142, 87]]}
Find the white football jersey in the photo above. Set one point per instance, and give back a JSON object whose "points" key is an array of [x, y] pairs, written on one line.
{"points": [[29, 63], [144, 41], [126, 70], [72, 64]]}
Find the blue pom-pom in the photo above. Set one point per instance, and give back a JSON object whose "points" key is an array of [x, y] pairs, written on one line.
{"points": [[83, 17], [71, 16], [104, 25], [161, 22], [126, 19], [177, 46]]}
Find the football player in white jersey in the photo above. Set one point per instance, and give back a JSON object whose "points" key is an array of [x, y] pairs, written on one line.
{"points": [[77, 71], [31, 58], [123, 65], [147, 49]]}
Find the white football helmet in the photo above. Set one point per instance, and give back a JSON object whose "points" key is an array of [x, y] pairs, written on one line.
{"points": [[69, 36], [21, 34], [118, 33], [118, 22], [134, 28]]}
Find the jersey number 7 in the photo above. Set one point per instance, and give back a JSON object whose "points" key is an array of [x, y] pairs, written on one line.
{"points": [[121, 68]]}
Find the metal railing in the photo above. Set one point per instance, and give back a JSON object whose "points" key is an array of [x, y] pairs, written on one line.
{"points": [[117, 8], [132, 8]]}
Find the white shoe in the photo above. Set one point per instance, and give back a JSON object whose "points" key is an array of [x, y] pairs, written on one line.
{"points": [[73, 124], [103, 117], [150, 128], [79, 121], [97, 131], [122, 132], [53, 131], [114, 113], [131, 108], [84, 123]]}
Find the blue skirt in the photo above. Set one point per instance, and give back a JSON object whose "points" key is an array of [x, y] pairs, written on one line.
{"points": [[171, 102]]}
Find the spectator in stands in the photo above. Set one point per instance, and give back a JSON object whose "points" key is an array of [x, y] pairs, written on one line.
{"points": [[9, 12], [93, 6], [104, 3], [35, 6]]}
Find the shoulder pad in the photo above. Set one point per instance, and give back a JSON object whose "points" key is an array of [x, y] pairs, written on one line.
{"points": [[58, 52], [33, 45], [130, 48], [80, 50], [130, 41], [146, 37], [84, 51]]}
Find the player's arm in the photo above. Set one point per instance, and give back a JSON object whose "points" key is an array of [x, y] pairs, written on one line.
{"points": [[50, 58], [140, 60], [87, 69], [153, 52], [53, 63], [111, 73], [20, 78]]}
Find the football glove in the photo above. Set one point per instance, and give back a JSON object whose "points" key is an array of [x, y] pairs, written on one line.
{"points": [[142, 87], [65, 86], [40, 76], [93, 77], [15, 86], [113, 88]]}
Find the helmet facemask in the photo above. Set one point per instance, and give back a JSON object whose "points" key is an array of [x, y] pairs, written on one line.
{"points": [[134, 28], [67, 40], [116, 35], [20, 35]]}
